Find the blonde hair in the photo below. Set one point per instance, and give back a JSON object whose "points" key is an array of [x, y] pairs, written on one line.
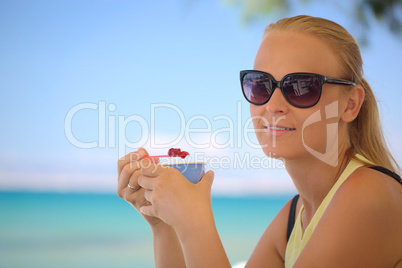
{"points": [[365, 132]]}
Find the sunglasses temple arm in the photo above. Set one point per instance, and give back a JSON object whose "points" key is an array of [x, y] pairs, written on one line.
{"points": [[339, 81]]}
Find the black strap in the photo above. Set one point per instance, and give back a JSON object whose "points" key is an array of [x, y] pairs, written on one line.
{"points": [[292, 211], [388, 172], [292, 215]]}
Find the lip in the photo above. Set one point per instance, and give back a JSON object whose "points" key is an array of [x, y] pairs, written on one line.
{"points": [[278, 130]]}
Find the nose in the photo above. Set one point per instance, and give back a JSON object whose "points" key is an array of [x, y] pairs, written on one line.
{"points": [[277, 104]]}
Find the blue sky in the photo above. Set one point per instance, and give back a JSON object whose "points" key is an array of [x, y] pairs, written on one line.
{"points": [[132, 68]]}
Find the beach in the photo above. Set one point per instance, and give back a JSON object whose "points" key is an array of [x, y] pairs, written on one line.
{"points": [[102, 230]]}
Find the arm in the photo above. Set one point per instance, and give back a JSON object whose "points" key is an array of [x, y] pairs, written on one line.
{"points": [[187, 208], [270, 250], [202, 246], [167, 249]]}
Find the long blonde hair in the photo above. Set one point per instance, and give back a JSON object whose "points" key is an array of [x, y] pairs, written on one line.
{"points": [[365, 132]]}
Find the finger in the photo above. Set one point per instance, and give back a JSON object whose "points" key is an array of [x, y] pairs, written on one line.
{"points": [[148, 168], [153, 160], [133, 156], [125, 175], [147, 211], [146, 182], [133, 181], [148, 196], [128, 170], [208, 179]]}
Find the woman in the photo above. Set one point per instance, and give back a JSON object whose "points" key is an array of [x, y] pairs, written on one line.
{"points": [[313, 109]]}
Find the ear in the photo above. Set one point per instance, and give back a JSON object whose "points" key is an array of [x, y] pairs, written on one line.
{"points": [[354, 101]]}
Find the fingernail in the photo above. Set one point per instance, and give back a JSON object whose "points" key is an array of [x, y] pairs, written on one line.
{"points": [[142, 210]]}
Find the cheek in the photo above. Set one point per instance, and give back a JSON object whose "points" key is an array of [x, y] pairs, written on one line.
{"points": [[321, 127], [315, 135], [314, 131], [257, 113], [255, 109]]}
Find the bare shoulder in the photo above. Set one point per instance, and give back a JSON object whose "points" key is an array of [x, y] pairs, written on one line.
{"points": [[270, 250], [369, 178], [374, 191], [361, 225]]}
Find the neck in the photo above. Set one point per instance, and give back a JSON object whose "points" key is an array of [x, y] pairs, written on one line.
{"points": [[314, 179]]}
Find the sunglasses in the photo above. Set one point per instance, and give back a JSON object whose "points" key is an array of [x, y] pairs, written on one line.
{"points": [[302, 90]]}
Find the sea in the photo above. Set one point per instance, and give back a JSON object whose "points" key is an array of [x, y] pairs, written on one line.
{"points": [[101, 230]]}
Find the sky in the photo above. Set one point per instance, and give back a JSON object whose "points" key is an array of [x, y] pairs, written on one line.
{"points": [[85, 82]]}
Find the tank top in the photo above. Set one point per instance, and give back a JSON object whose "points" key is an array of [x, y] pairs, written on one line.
{"points": [[298, 239]]}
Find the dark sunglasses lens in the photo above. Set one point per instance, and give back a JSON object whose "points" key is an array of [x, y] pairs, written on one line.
{"points": [[257, 88], [301, 90]]}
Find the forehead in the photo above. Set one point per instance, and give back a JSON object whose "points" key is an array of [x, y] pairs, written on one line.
{"points": [[281, 53]]}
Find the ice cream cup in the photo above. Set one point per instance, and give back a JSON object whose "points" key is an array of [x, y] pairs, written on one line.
{"points": [[192, 171]]}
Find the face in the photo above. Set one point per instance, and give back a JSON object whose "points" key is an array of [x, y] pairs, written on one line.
{"points": [[288, 132]]}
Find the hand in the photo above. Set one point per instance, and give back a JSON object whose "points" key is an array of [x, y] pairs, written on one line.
{"points": [[172, 197], [128, 168]]}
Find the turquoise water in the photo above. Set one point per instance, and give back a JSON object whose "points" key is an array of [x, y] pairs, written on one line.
{"points": [[102, 230]]}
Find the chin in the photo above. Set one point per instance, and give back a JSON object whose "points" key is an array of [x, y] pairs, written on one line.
{"points": [[272, 152], [285, 153]]}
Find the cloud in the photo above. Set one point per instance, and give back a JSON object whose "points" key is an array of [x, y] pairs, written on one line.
{"points": [[238, 171], [57, 182], [225, 186], [225, 183]]}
